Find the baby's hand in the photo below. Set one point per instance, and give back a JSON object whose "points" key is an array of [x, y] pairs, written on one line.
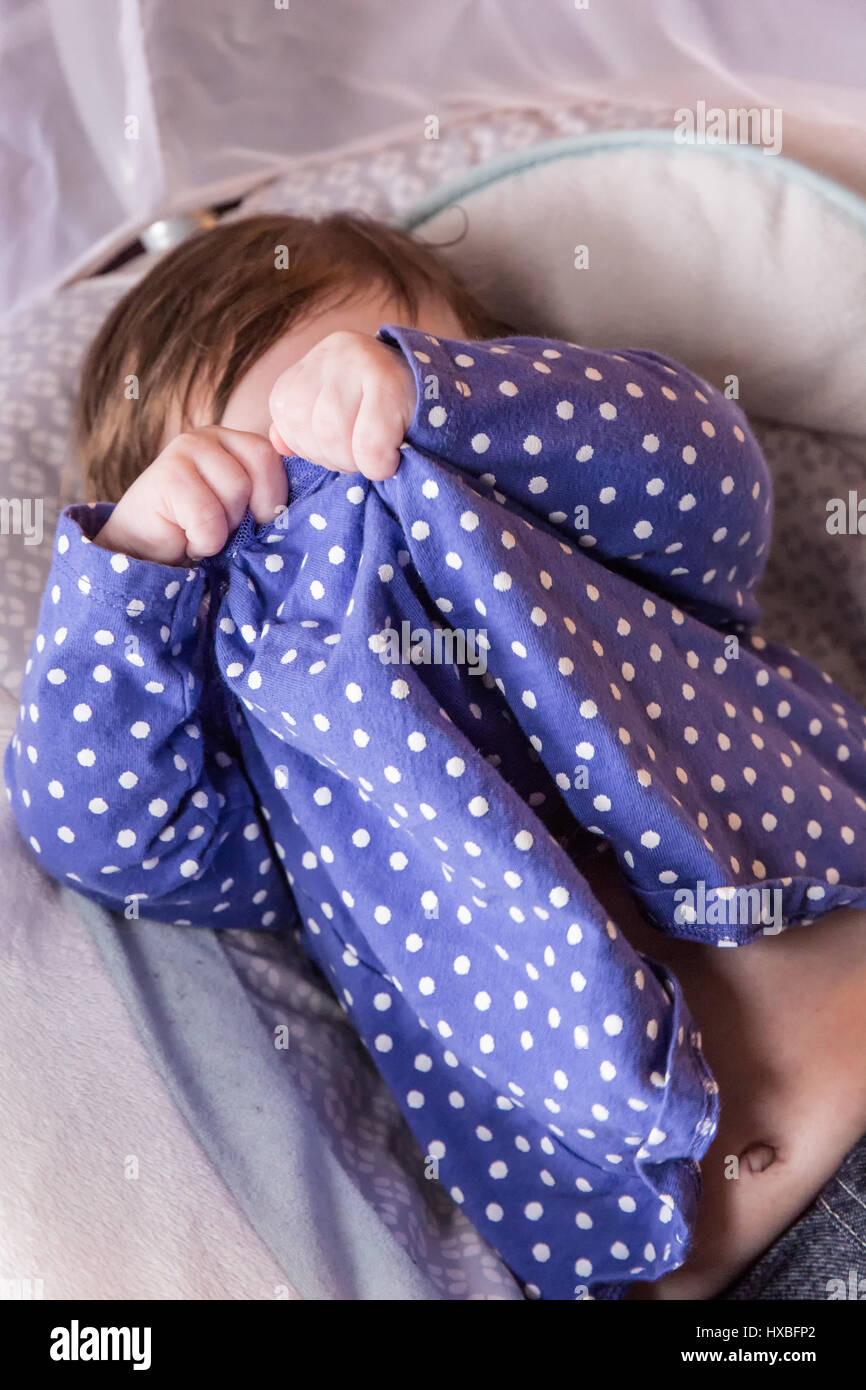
{"points": [[346, 405], [190, 499]]}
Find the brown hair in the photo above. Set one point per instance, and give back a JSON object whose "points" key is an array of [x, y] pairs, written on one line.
{"points": [[214, 304]]}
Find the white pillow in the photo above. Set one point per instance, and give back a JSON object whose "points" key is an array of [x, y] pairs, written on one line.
{"points": [[731, 261]]}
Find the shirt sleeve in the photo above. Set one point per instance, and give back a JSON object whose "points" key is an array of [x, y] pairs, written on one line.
{"points": [[123, 770], [628, 454]]}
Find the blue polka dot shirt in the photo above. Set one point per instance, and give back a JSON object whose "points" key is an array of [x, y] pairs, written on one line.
{"points": [[386, 719]]}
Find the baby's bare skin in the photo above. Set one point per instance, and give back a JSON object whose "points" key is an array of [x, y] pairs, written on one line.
{"points": [[783, 1023]]}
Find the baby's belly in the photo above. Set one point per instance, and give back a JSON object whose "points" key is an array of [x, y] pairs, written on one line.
{"points": [[783, 1023]]}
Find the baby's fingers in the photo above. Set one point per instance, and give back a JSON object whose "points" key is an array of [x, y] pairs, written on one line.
{"points": [[265, 475], [279, 443], [191, 505], [378, 432]]}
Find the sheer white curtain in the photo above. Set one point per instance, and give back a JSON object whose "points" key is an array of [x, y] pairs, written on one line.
{"points": [[116, 112]]}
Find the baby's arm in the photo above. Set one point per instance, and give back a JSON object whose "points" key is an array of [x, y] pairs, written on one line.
{"points": [[627, 453], [122, 772]]}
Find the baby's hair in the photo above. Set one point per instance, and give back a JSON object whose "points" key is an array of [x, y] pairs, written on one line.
{"points": [[212, 306]]}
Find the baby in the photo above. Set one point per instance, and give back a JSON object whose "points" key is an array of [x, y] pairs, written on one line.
{"points": [[213, 731]]}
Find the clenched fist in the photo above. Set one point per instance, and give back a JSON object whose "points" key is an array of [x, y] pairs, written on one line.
{"points": [[346, 405], [191, 498]]}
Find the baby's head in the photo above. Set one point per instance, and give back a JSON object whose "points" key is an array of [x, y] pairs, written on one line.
{"points": [[202, 338]]}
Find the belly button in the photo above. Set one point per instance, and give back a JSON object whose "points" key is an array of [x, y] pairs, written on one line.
{"points": [[757, 1157]]}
